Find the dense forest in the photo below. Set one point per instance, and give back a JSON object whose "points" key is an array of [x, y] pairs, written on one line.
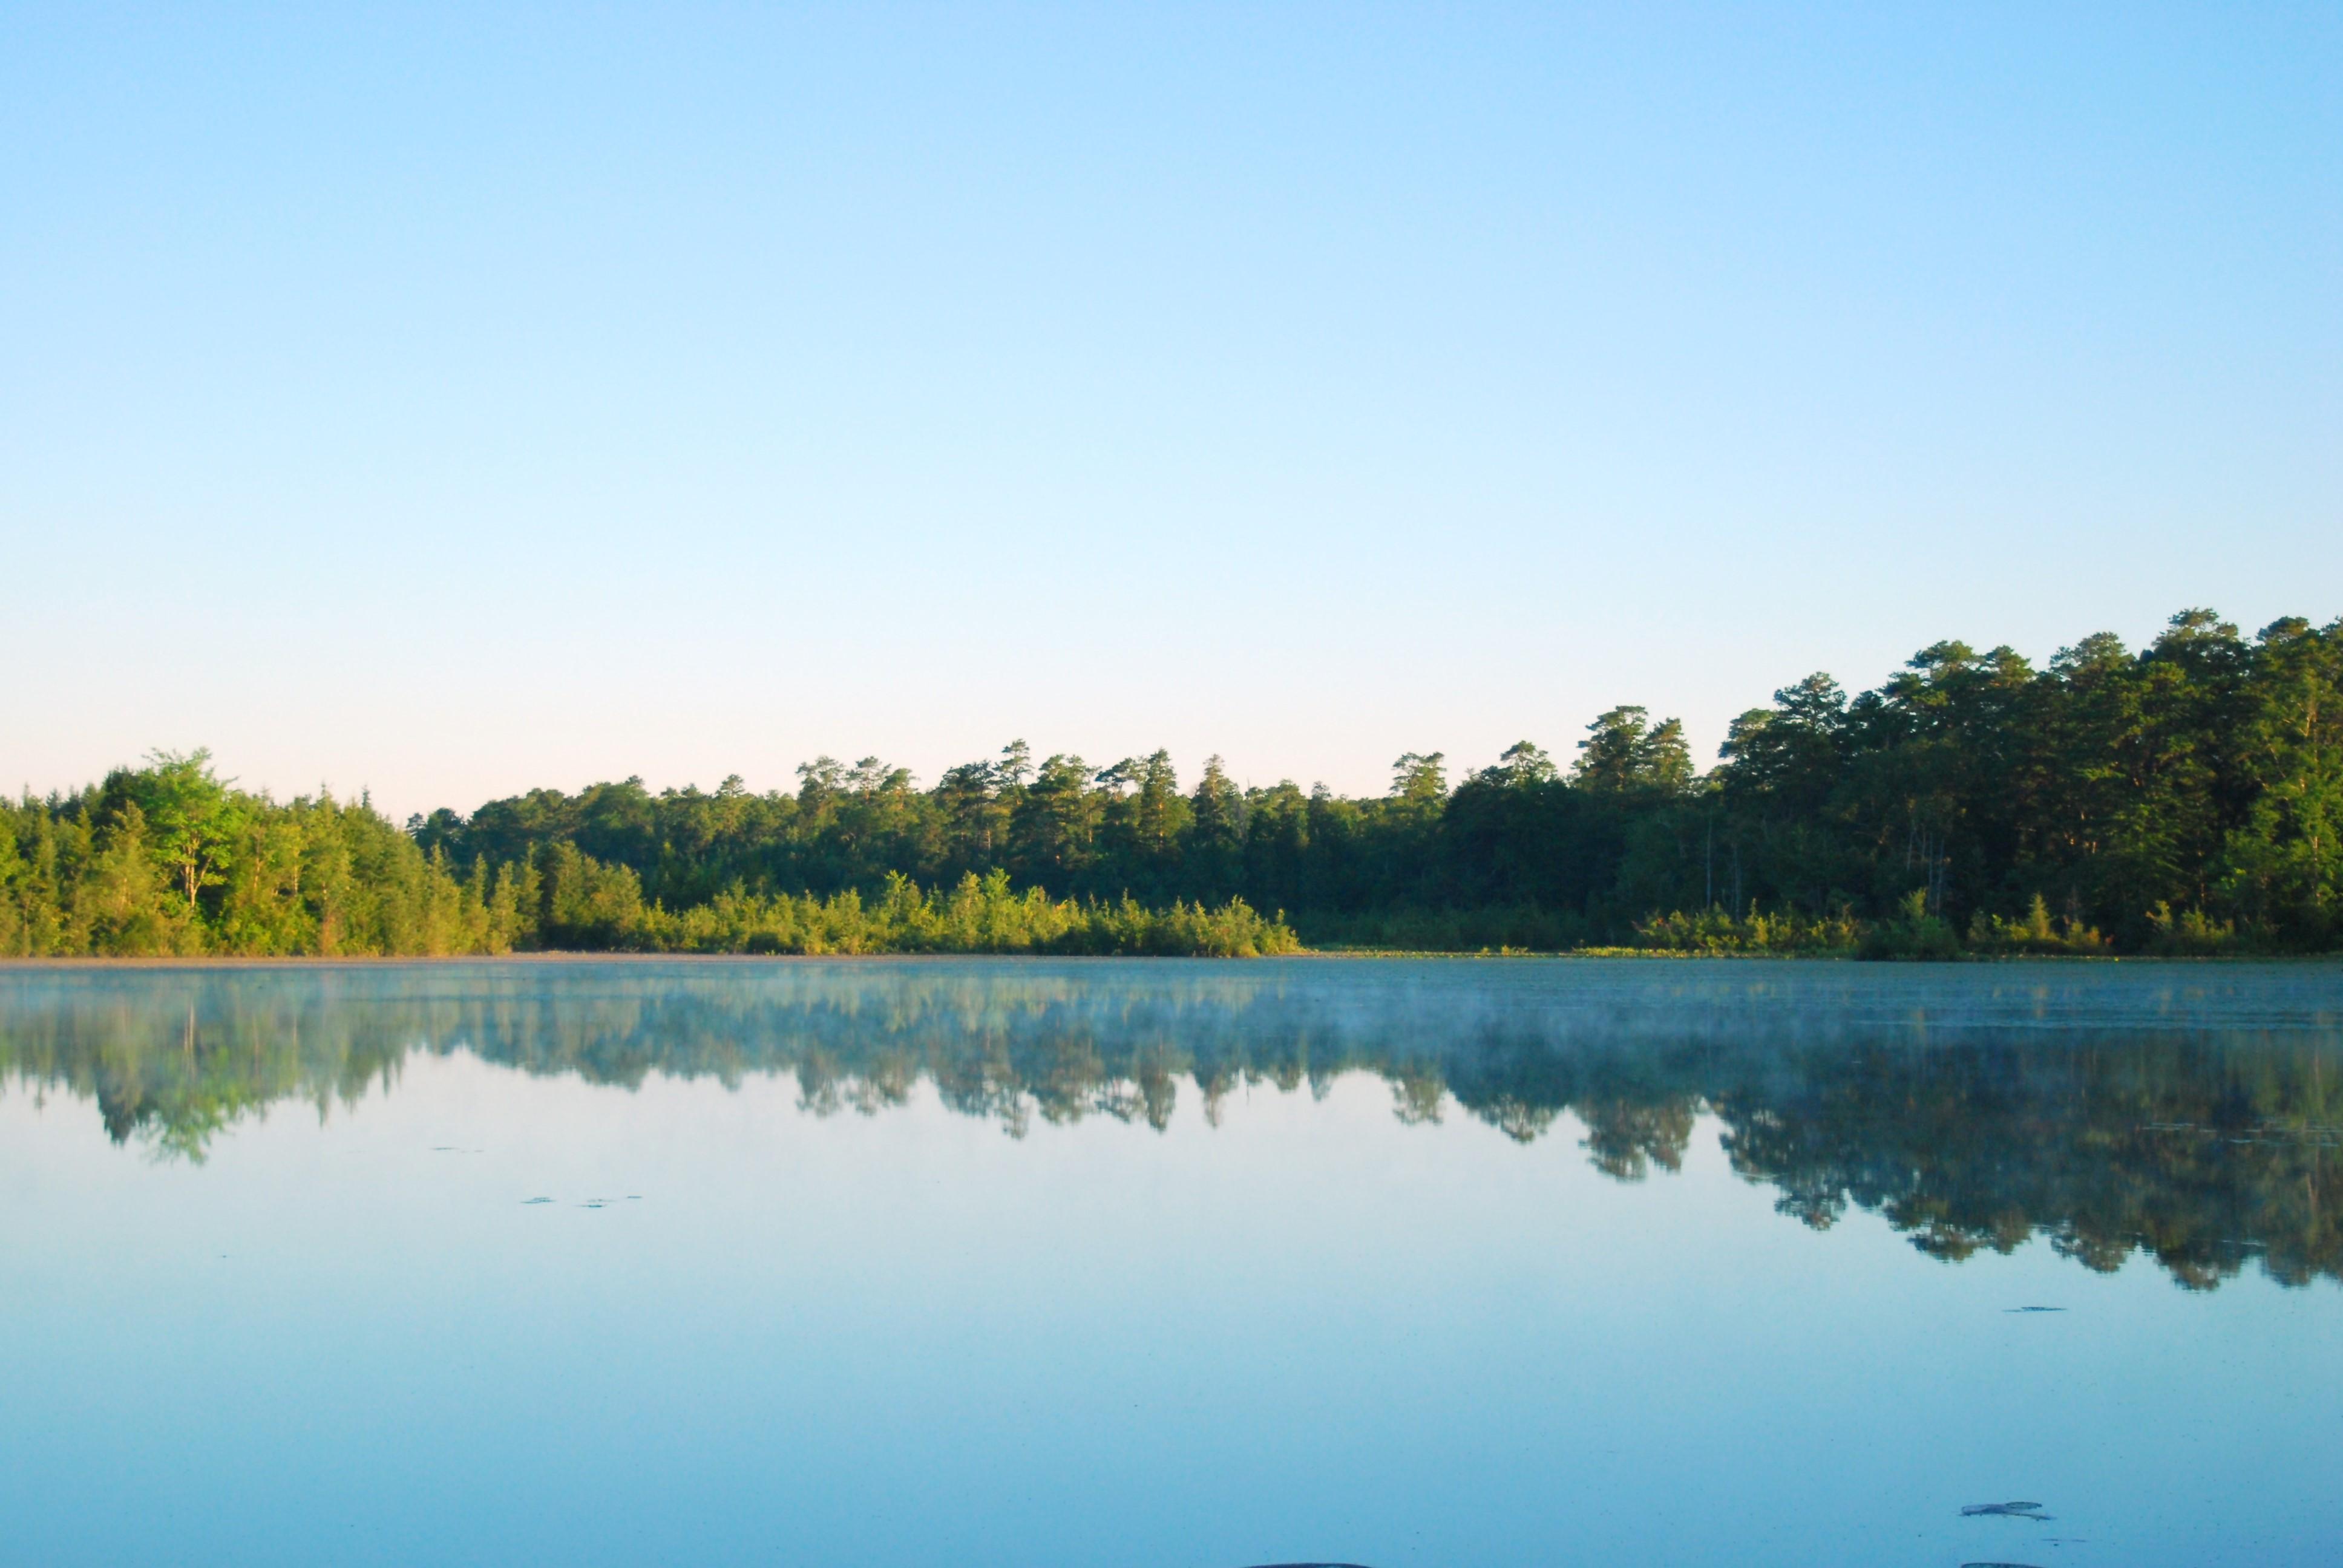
{"points": [[2204, 1148], [2187, 798]]}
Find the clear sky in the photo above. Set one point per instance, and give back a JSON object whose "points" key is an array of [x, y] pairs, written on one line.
{"points": [[448, 401]]}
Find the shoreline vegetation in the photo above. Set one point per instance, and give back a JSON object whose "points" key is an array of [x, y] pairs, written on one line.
{"points": [[2184, 800], [1300, 951]]}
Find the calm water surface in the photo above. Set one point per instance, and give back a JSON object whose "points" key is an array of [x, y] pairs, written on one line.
{"points": [[1192, 1264]]}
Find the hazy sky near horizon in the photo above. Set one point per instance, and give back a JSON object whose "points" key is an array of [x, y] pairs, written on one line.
{"points": [[452, 399]]}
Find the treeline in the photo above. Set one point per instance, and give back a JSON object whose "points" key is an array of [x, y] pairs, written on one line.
{"points": [[2187, 798], [168, 860]]}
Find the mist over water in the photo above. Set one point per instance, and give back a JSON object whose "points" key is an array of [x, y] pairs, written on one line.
{"points": [[1180, 1263]]}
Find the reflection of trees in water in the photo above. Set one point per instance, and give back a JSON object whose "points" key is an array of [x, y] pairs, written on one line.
{"points": [[1625, 1136], [2198, 1146], [2198, 1153]]}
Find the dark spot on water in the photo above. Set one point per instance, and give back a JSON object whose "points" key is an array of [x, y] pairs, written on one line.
{"points": [[527, 1201], [2006, 1511], [2034, 1309], [1998, 1565]]}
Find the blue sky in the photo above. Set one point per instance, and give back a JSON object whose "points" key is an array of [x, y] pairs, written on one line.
{"points": [[447, 400]]}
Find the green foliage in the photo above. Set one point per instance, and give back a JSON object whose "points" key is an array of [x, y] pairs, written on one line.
{"points": [[1913, 933], [2191, 934], [1716, 930], [169, 861], [121, 902], [592, 906], [983, 915], [234, 874], [1623, 753], [1970, 803], [191, 818], [2037, 933]]}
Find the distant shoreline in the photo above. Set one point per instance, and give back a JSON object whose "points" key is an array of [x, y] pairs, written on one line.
{"points": [[197, 962], [2174, 801]]}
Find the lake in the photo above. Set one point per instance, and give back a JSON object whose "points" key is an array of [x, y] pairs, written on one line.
{"points": [[1184, 1263]]}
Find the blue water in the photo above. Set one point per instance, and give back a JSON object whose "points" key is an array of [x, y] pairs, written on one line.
{"points": [[977, 1262]]}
